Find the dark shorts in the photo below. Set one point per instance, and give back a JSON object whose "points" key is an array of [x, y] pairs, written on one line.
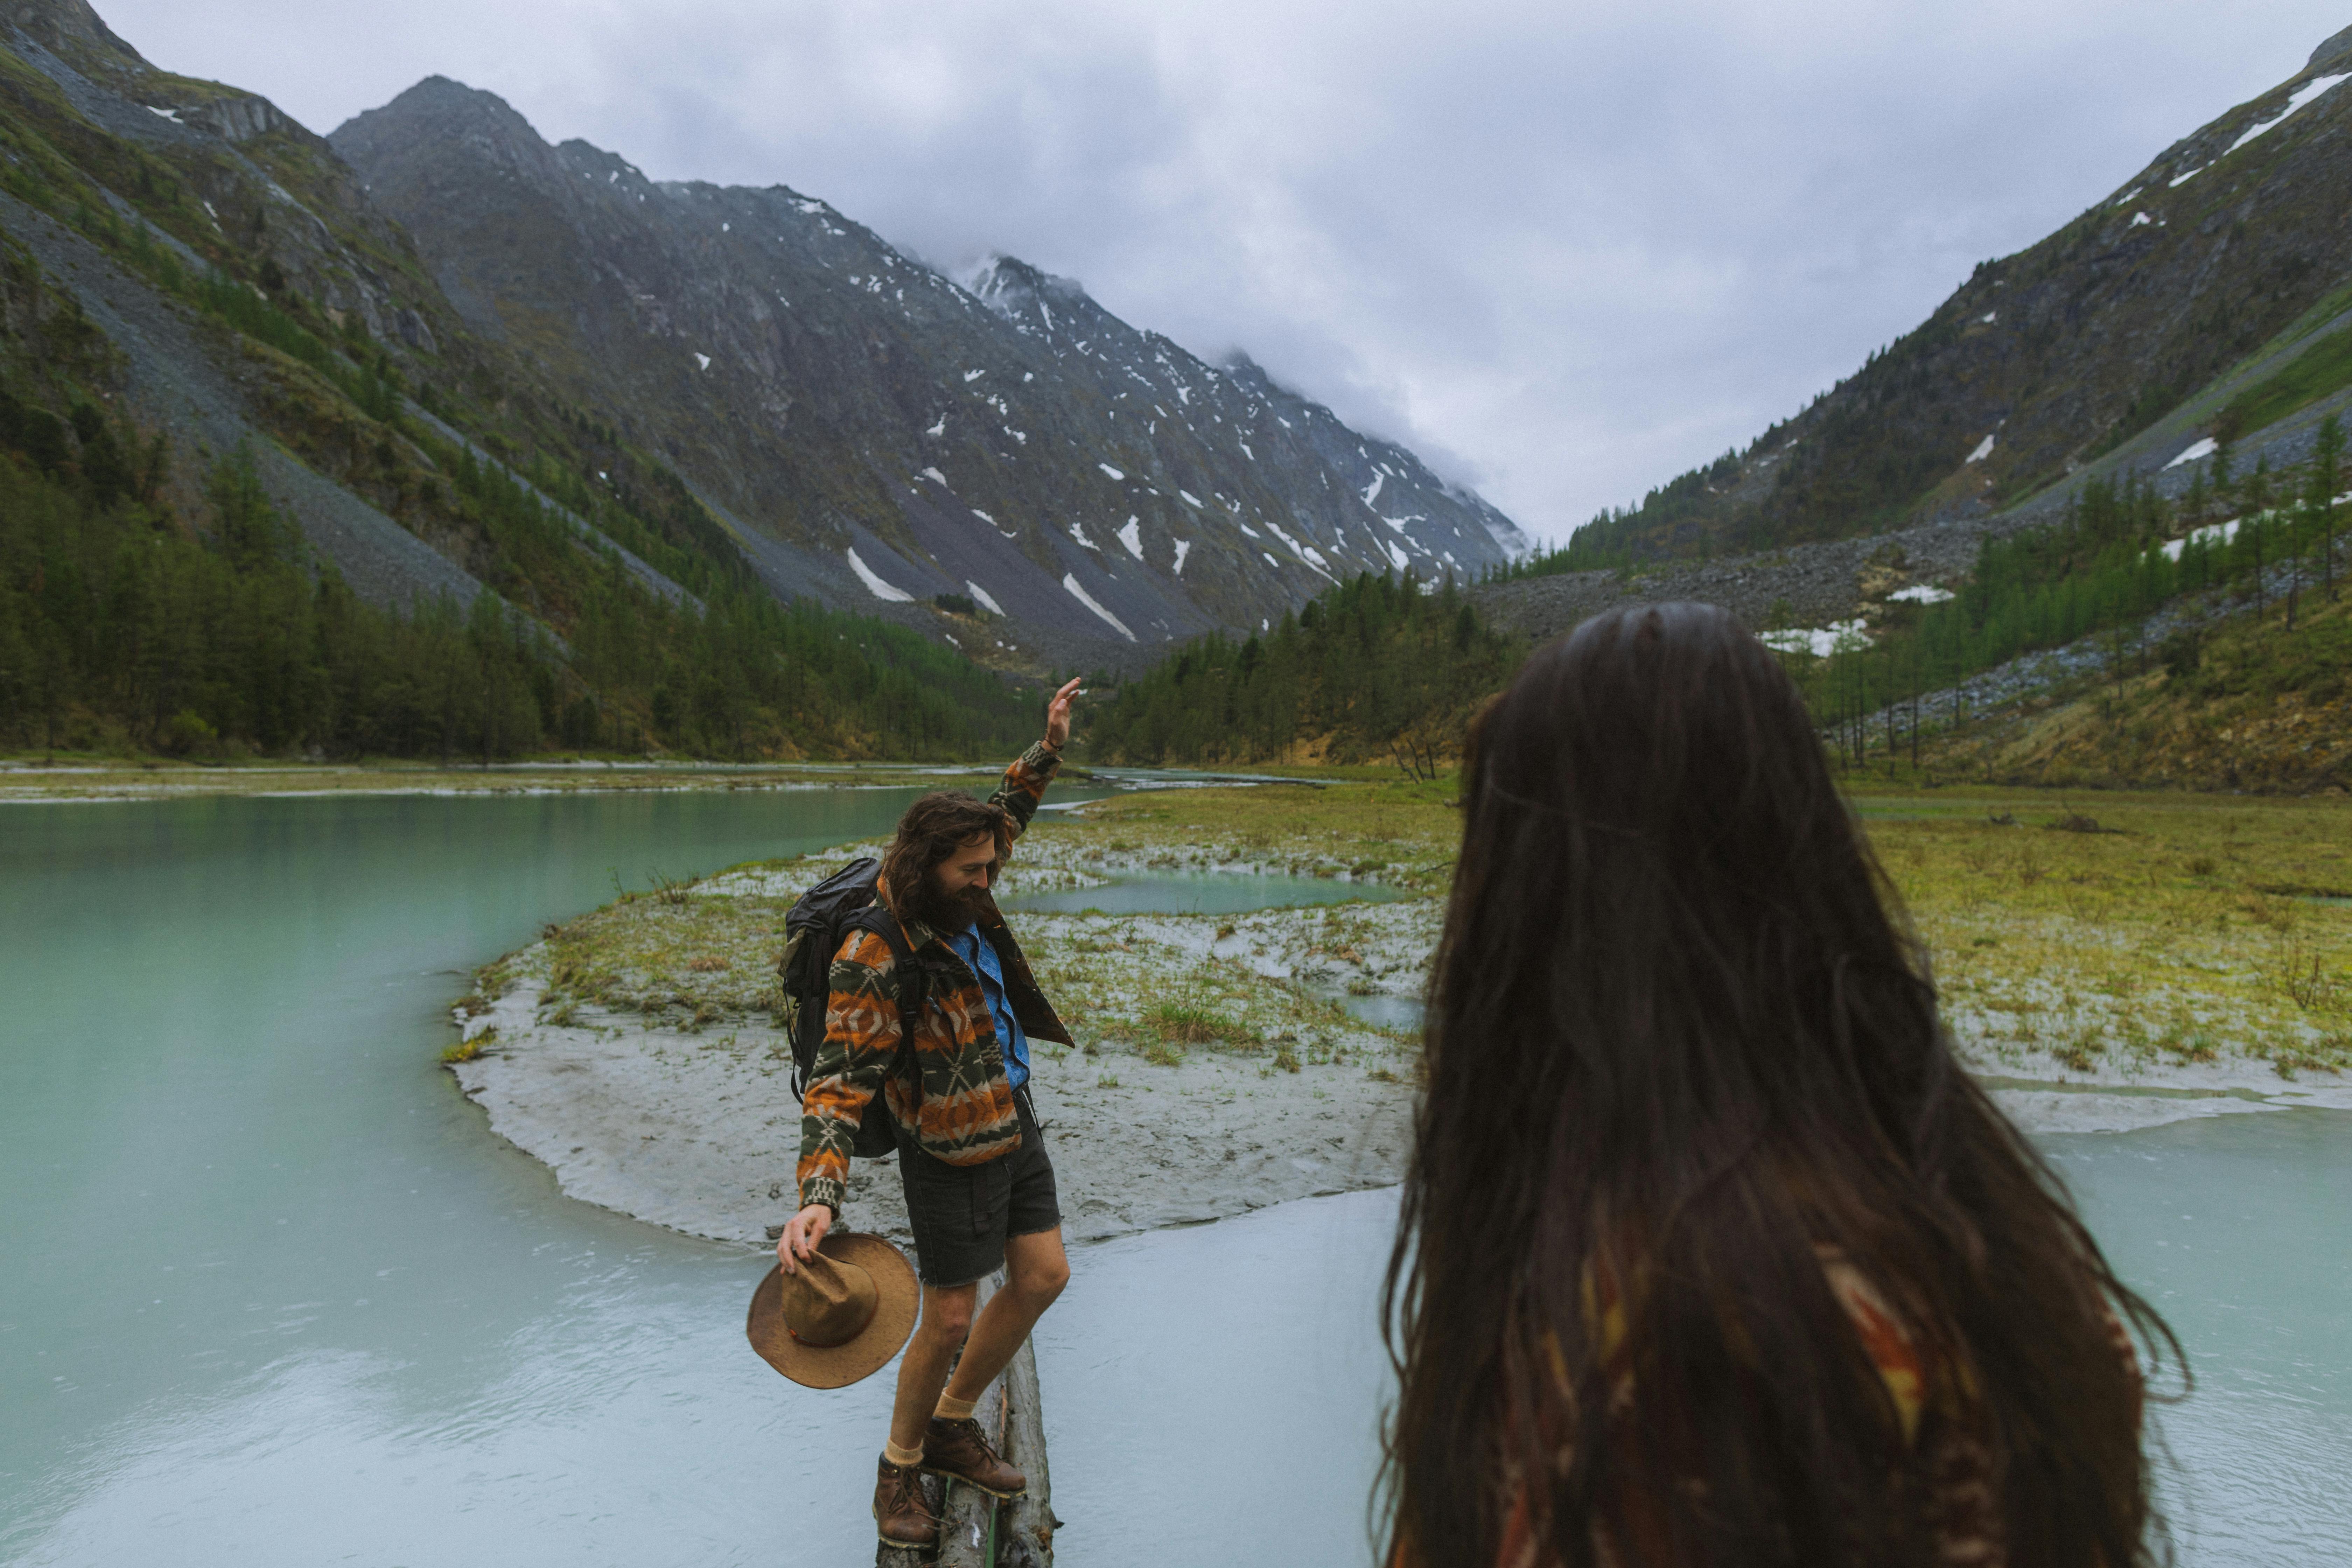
{"points": [[962, 1214]]}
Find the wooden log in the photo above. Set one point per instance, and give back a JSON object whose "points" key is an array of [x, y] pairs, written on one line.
{"points": [[976, 1530], [966, 1514], [1026, 1537]]}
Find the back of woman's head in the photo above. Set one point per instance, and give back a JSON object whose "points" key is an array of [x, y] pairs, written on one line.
{"points": [[1679, 1052]]}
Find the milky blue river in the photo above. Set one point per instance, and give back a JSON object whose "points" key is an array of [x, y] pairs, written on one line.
{"points": [[275, 1295]]}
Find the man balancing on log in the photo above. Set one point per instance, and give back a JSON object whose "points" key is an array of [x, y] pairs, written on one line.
{"points": [[978, 1184]]}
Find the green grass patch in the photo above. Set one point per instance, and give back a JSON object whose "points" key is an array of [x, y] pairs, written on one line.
{"points": [[2323, 368], [1189, 1024], [2148, 944], [465, 1050]]}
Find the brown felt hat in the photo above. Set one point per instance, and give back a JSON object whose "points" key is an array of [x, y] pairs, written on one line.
{"points": [[840, 1317]]}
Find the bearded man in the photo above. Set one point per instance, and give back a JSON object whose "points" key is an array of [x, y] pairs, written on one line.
{"points": [[978, 1184]]}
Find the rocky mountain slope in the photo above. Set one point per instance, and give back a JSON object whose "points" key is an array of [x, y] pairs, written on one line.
{"points": [[870, 431], [122, 187], [2087, 352], [2253, 705], [2204, 306], [229, 381], [707, 392]]}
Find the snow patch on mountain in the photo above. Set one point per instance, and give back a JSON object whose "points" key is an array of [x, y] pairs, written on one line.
{"points": [[1070, 582], [2306, 93], [874, 583]]}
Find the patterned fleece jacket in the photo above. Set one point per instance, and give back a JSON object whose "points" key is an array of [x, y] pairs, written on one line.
{"points": [[963, 1113]]}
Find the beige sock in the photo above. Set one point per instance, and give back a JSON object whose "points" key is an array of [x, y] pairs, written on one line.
{"points": [[953, 1409], [902, 1458]]}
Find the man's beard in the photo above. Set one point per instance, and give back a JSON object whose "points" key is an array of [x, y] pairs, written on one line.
{"points": [[942, 911]]}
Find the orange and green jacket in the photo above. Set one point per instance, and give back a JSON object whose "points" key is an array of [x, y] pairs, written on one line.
{"points": [[964, 1114]]}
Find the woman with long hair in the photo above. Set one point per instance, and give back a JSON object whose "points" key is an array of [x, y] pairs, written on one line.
{"points": [[1710, 1254]]}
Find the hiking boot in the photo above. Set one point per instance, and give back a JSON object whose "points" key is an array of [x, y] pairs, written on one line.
{"points": [[901, 1515], [956, 1451]]}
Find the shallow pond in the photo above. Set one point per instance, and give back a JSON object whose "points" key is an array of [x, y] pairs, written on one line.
{"points": [[1384, 1011], [277, 1296]]}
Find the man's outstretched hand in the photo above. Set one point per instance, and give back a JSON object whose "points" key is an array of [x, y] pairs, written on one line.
{"points": [[1058, 716], [802, 1233]]}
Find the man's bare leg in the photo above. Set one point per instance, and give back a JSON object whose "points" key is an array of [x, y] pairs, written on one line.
{"points": [[923, 1368], [1035, 1269]]}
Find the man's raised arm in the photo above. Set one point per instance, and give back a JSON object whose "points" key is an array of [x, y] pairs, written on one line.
{"points": [[1025, 781]]}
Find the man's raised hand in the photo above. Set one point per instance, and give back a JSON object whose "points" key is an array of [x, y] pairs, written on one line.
{"points": [[802, 1233], [1057, 715]]}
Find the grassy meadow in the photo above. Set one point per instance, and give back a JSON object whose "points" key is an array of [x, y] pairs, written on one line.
{"points": [[2165, 929], [2169, 932]]}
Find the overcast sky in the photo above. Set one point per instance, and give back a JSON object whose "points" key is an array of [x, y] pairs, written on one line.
{"points": [[1565, 252]]}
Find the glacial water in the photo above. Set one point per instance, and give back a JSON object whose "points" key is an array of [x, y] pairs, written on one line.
{"points": [[276, 1296]]}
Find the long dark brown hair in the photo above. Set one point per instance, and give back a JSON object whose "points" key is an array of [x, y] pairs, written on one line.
{"points": [[1680, 1041], [934, 827]]}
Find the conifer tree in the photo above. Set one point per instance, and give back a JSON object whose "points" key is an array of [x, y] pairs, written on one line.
{"points": [[2326, 460]]}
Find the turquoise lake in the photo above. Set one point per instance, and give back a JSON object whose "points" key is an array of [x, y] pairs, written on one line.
{"points": [[277, 1296]]}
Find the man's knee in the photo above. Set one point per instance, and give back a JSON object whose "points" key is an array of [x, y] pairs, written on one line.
{"points": [[1040, 1280], [946, 1313]]}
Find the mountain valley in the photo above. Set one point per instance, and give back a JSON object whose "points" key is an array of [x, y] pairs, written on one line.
{"points": [[457, 366]]}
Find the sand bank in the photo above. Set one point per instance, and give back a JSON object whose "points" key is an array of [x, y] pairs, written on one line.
{"points": [[1216, 1070]]}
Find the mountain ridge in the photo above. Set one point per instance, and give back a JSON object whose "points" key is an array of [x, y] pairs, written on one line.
{"points": [[867, 427], [245, 287], [2045, 364], [2195, 321]]}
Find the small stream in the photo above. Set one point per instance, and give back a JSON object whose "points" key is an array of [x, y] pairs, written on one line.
{"points": [[277, 1297]]}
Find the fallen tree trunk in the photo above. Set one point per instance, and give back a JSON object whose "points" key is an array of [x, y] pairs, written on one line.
{"points": [[977, 1531], [1026, 1539], [966, 1514]]}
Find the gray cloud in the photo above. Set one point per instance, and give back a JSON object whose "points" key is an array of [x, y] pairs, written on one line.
{"points": [[1563, 253]]}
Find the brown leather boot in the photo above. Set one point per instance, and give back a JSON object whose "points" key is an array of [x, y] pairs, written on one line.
{"points": [[901, 1515], [957, 1450]]}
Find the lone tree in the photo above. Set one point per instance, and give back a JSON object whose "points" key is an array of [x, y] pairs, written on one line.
{"points": [[2326, 459]]}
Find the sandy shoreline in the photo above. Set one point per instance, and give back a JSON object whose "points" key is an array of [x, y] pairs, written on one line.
{"points": [[692, 1125], [634, 1051]]}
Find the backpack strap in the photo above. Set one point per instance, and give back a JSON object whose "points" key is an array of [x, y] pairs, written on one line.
{"points": [[877, 919]]}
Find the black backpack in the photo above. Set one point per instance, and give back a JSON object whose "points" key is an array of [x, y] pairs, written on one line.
{"points": [[814, 929]]}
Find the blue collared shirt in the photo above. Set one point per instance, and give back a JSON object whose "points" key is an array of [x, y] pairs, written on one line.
{"points": [[978, 951]]}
